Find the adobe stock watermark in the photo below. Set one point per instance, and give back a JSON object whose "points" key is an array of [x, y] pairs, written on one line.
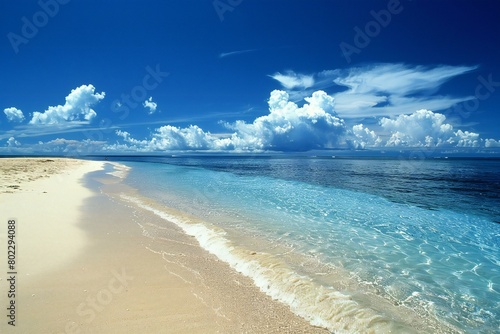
{"points": [[30, 28], [482, 92], [137, 95], [93, 305], [363, 37], [223, 6]]}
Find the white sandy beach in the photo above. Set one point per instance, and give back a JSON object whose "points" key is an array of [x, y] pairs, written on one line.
{"points": [[44, 197], [84, 265]]}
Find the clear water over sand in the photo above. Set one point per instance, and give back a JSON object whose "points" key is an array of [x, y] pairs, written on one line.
{"points": [[351, 245]]}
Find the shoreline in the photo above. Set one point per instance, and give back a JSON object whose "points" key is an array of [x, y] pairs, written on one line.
{"points": [[121, 280], [321, 306], [332, 299]]}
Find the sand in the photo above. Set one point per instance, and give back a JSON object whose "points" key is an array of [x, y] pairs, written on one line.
{"points": [[44, 196], [91, 263]]}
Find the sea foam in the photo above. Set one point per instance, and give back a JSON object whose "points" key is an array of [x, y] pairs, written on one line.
{"points": [[321, 306]]}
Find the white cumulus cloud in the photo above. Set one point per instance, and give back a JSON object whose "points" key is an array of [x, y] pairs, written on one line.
{"points": [[171, 138], [76, 109], [365, 137], [12, 142], [151, 105], [13, 114], [423, 128], [492, 143], [287, 127], [314, 125], [290, 127]]}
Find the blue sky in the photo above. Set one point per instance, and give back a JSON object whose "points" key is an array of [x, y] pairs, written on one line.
{"points": [[84, 77]]}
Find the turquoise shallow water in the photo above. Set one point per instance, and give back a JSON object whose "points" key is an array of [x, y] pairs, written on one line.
{"points": [[423, 236]]}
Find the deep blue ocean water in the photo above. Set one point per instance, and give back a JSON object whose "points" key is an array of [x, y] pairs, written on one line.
{"points": [[418, 236]]}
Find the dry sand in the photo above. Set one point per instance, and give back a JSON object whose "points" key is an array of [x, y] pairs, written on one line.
{"points": [[44, 196], [85, 266]]}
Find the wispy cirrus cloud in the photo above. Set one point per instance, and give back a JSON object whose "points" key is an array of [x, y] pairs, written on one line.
{"points": [[234, 53], [292, 80], [56, 146], [29, 131], [394, 89], [380, 89], [399, 79]]}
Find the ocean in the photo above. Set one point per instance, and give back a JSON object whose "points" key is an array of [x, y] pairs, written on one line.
{"points": [[354, 245]]}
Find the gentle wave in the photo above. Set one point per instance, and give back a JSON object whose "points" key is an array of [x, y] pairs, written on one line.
{"points": [[119, 170], [321, 306]]}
